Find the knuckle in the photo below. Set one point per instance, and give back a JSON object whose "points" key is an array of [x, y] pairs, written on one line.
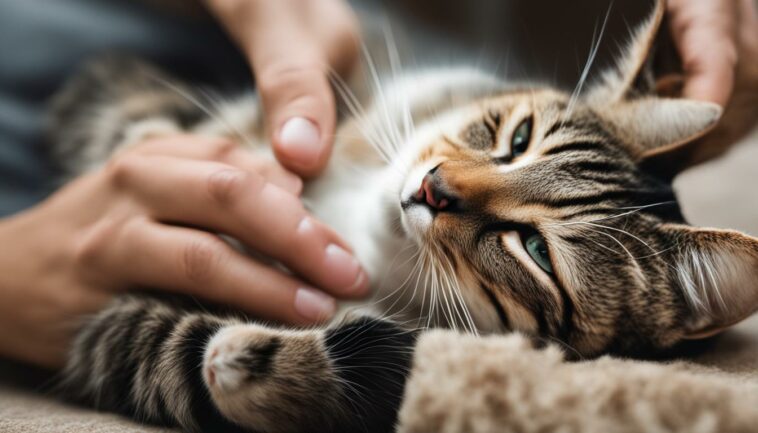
{"points": [[226, 185], [200, 257], [286, 78], [91, 247], [121, 169]]}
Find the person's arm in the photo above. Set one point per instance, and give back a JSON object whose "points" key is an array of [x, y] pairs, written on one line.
{"points": [[292, 46], [146, 220]]}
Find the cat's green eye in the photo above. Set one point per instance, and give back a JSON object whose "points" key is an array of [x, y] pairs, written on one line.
{"points": [[521, 138], [537, 250]]}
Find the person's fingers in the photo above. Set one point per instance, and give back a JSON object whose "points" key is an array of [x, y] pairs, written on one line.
{"points": [[292, 50], [291, 71], [222, 150], [243, 205], [703, 31], [197, 263]]}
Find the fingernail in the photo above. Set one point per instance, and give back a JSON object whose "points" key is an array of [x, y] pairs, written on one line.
{"points": [[314, 305], [347, 269], [300, 140]]}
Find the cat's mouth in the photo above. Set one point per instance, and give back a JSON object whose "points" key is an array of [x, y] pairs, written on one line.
{"points": [[420, 201]]}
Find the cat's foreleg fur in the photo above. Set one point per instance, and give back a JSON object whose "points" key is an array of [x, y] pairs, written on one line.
{"points": [[170, 362]]}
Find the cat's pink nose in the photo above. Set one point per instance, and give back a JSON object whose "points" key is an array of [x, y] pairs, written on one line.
{"points": [[433, 192]]}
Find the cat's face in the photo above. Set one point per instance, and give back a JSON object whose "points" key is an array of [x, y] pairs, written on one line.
{"points": [[538, 211], [546, 222], [535, 210], [533, 213]]}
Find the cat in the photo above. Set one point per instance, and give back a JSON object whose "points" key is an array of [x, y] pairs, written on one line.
{"points": [[473, 203]]}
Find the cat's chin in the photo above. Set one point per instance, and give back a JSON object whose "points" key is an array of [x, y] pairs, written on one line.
{"points": [[416, 217], [416, 220]]}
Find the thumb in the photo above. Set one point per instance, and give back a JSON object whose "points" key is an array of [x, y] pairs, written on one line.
{"points": [[292, 78], [300, 115]]}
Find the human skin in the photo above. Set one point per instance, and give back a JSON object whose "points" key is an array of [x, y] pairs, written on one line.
{"points": [[125, 226], [705, 33], [718, 45], [293, 46]]}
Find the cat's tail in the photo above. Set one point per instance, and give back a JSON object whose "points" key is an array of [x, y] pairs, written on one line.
{"points": [[163, 363], [101, 104]]}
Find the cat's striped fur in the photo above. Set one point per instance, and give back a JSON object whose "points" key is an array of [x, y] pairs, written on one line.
{"points": [[144, 357], [621, 271]]}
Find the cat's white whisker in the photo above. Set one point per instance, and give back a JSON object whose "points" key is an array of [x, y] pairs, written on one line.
{"points": [[380, 101], [629, 253], [448, 276], [634, 210], [366, 128], [231, 128], [415, 256], [370, 132], [588, 65], [635, 237]]}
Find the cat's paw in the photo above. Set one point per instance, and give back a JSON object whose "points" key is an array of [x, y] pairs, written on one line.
{"points": [[238, 355], [271, 380]]}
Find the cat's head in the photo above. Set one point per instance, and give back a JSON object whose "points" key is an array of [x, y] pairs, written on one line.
{"points": [[539, 213]]}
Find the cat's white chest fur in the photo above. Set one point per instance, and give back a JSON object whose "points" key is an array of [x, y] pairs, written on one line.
{"points": [[359, 197], [349, 199]]}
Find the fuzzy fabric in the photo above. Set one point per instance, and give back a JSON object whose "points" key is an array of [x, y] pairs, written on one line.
{"points": [[462, 383]]}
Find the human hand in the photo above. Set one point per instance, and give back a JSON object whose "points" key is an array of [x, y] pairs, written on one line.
{"points": [[718, 44], [292, 45], [709, 36], [146, 220]]}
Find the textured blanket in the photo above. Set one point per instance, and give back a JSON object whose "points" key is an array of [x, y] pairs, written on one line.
{"points": [[466, 384]]}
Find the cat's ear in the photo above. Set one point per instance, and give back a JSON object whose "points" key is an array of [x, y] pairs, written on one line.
{"points": [[717, 272], [653, 126], [632, 73], [629, 97]]}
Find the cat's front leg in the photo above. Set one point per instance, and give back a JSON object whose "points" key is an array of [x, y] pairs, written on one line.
{"points": [[348, 378]]}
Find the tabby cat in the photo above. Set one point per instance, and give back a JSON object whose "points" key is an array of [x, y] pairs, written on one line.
{"points": [[480, 205]]}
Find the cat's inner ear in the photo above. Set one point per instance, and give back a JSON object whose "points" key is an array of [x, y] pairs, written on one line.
{"points": [[626, 96], [717, 272]]}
